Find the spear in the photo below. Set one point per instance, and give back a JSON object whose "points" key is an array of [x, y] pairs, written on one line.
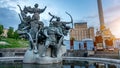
{"points": [[20, 18]]}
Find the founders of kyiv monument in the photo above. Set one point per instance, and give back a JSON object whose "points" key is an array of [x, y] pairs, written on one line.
{"points": [[45, 42]]}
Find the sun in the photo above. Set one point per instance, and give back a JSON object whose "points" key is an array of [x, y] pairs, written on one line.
{"points": [[115, 28]]}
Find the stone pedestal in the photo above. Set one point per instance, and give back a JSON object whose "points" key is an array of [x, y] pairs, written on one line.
{"points": [[31, 57]]}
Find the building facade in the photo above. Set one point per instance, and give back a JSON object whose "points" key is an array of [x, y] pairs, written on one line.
{"points": [[5, 32], [81, 31]]}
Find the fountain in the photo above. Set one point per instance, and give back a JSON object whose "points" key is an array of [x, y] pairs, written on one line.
{"points": [[46, 45], [65, 64]]}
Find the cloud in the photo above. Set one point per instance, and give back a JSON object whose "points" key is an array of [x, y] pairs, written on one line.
{"points": [[92, 16], [115, 27], [116, 2], [9, 11], [112, 9], [8, 18], [10, 4], [113, 17]]}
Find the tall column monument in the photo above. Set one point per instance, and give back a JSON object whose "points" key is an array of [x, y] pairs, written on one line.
{"points": [[104, 32], [101, 15]]}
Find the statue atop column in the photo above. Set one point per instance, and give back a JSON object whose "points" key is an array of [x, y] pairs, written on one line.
{"points": [[45, 42]]}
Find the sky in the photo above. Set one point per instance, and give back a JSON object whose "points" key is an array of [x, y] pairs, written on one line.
{"points": [[81, 10]]}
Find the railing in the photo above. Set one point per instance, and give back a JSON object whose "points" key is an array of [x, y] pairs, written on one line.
{"points": [[116, 61]]}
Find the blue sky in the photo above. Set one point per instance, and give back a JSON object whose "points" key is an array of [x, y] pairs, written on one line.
{"points": [[81, 10]]}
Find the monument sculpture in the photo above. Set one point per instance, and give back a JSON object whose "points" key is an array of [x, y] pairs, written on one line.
{"points": [[45, 42]]}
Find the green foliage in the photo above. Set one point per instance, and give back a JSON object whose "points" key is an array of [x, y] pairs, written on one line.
{"points": [[10, 32], [1, 29], [13, 43], [16, 35]]}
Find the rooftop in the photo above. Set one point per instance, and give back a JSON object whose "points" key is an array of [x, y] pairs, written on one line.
{"points": [[80, 23]]}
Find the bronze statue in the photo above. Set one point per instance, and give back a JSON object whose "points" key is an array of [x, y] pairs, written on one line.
{"points": [[42, 38]]}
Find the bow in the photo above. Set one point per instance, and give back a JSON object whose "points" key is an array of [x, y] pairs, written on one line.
{"points": [[71, 18]]}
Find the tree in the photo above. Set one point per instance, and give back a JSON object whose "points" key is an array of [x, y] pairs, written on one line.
{"points": [[1, 29], [16, 35], [10, 32]]}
